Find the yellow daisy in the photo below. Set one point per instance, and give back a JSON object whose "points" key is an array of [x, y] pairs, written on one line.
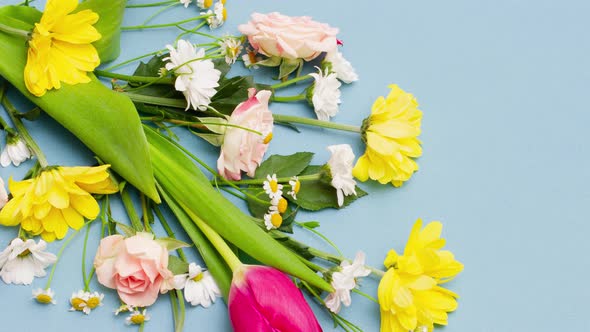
{"points": [[409, 294], [60, 48], [391, 135], [57, 199]]}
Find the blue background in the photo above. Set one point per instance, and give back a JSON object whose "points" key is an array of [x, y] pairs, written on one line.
{"points": [[504, 90]]}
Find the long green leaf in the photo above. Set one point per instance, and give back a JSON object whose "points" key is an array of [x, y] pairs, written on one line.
{"points": [[110, 14], [105, 121], [189, 187]]}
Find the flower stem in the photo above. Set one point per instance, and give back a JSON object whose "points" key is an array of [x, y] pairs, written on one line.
{"points": [[86, 280], [23, 131], [290, 82], [160, 12], [154, 4], [14, 31], [325, 238], [216, 240], [168, 230], [133, 59], [155, 26], [160, 101], [365, 295], [133, 78], [286, 99], [301, 178], [128, 204], [316, 123]]}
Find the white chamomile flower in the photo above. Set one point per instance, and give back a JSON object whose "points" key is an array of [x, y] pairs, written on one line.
{"points": [[341, 164], [344, 281], [278, 204], [231, 47], [137, 317], [204, 3], [3, 194], [124, 308], [86, 301], [273, 220], [325, 94], [44, 296], [272, 187], [185, 3], [295, 186], [199, 286], [22, 261], [15, 151], [219, 15], [343, 69], [196, 79]]}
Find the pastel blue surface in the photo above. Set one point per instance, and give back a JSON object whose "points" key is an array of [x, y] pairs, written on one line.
{"points": [[504, 90]]}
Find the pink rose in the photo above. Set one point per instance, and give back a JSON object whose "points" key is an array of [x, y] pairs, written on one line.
{"points": [[289, 37], [137, 267], [243, 150]]}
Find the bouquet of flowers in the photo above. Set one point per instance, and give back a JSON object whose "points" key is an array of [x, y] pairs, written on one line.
{"points": [[250, 258]]}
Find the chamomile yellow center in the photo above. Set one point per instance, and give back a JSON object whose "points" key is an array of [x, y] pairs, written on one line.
{"points": [[25, 253], [78, 303], [43, 298], [282, 206], [297, 186], [137, 319], [276, 220], [224, 14], [274, 185], [208, 3], [198, 277], [268, 138], [93, 302]]}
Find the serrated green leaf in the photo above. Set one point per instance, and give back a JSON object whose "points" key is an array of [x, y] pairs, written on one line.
{"points": [[284, 166], [176, 265], [318, 194]]}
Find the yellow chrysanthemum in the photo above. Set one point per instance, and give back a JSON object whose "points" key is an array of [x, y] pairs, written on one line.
{"points": [[57, 199], [391, 135], [409, 294], [60, 48]]}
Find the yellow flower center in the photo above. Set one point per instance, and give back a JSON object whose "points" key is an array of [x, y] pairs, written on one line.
{"points": [[78, 303], [137, 319], [276, 220], [274, 186], [282, 206], [268, 137], [208, 3], [93, 302], [224, 14], [198, 277], [44, 298], [297, 186]]}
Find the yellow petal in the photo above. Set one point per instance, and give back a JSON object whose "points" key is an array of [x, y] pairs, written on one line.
{"points": [[86, 205], [48, 236], [9, 214], [73, 218], [77, 28]]}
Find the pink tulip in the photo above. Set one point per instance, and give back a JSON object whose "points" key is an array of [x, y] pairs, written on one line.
{"points": [[263, 299]]}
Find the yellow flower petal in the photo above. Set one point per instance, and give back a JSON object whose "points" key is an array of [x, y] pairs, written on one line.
{"points": [[86, 205], [73, 218], [77, 28]]}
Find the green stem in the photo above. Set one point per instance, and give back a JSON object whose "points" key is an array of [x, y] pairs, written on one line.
{"points": [[316, 123], [133, 59], [286, 99], [168, 230], [160, 12], [144, 213], [180, 321], [290, 82], [161, 101], [24, 132], [186, 32], [14, 31], [154, 4], [5, 126], [365, 295], [325, 238], [86, 281], [216, 240], [138, 79], [60, 253], [201, 125], [155, 26], [128, 204]]}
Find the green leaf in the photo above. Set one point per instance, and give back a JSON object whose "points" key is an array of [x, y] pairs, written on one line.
{"points": [[222, 66], [105, 121], [20, 17], [231, 92], [172, 243], [151, 68], [31, 115], [128, 231], [284, 166], [213, 139], [176, 265], [288, 66], [318, 194], [311, 224], [110, 14], [186, 184], [273, 61]]}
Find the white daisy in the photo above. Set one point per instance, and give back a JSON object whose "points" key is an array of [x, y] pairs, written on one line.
{"points": [[185, 3], [85, 301], [326, 94], [137, 317], [16, 151], [219, 15], [3, 194], [295, 186], [272, 220], [344, 281], [44, 296], [124, 308], [341, 164], [199, 286], [343, 69], [22, 260], [204, 3], [196, 79], [278, 204], [231, 47], [272, 187]]}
